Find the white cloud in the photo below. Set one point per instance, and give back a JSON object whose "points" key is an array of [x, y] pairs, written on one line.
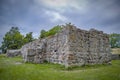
{"points": [[55, 16], [55, 3], [56, 9], [64, 5]]}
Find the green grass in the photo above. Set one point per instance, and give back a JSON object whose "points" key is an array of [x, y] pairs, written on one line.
{"points": [[15, 69]]}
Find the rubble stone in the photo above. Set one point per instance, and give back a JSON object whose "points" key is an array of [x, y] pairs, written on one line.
{"points": [[13, 53], [70, 47]]}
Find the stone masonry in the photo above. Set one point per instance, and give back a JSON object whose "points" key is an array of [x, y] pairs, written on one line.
{"points": [[13, 53], [70, 47]]}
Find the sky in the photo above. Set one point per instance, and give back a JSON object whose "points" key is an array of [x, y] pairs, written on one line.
{"points": [[35, 15]]}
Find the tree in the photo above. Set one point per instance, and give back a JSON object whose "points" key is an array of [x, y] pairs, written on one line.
{"points": [[12, 39], [115, 40], [28, 38], [42, 34]]}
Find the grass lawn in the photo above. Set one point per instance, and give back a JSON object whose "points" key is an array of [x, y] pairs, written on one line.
{"points": [[15, 69]]}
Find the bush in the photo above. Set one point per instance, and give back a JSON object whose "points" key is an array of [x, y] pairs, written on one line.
{"points": [[51, 32]]}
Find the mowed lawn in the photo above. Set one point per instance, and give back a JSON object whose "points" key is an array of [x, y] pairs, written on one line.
{"points": [[15, 69]]}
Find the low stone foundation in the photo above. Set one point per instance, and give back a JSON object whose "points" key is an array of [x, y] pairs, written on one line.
{"points": [[115, 56], [13, 53]]}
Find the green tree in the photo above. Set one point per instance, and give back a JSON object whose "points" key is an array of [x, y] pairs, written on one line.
{"points": [[42, 34], [115, 40], [12, 39], [28, 38]]}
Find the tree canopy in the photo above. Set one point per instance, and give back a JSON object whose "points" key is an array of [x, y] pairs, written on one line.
{"points": [[115, 40], [43, 34], [13, 39], [28, 38]]}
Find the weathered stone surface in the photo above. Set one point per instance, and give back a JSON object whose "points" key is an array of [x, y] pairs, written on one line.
{"points": [[70, 47], [13, 53], [115, 56]]}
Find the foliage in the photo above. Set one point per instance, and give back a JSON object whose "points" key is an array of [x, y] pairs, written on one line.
{"points": [[52, 31], [43, 34], [28, 38], [9, 70], [12, 39], [115, 40]]}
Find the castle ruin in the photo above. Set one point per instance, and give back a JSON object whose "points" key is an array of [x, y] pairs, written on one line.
{"points": [[70, 47]]}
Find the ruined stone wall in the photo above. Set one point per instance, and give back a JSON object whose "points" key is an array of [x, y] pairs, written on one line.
{"points": [[99, 47], [34, 51], [71, 46], [115, 56], [88, 47], [52, 49], [13, 53], [58, 47]]}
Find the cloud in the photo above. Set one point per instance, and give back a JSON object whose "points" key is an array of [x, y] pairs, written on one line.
{"points": [[55, 16], [64, 5], [56, 9], [34, 15]]}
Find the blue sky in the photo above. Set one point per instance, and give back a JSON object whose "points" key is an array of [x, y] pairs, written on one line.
{"points": [[34, 15]]}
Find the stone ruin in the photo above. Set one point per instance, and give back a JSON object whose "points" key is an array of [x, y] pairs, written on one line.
{"points": [[115, 56], [13, 53], [70, 47]]}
